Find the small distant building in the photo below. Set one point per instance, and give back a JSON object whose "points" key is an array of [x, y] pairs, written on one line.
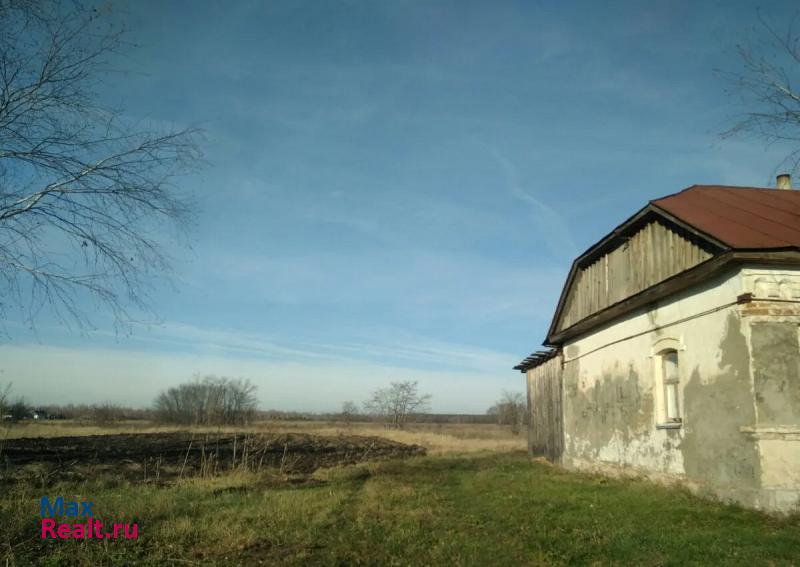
{"points": [[674, 350]]}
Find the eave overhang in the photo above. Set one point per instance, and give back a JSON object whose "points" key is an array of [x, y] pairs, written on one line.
{"points": [[535, 359]]}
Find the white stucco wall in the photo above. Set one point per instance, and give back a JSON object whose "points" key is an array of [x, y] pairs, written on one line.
{"points": [[613, 400]]}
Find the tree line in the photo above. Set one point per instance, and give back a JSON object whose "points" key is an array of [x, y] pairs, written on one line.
{"points": [[218, 400]]}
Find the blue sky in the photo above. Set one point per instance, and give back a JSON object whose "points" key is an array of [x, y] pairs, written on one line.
{"points": [[397, 189]]}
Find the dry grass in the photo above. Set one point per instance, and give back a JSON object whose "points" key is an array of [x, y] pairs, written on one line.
{"points": [[447, 438], [477, 509], [488, 507]]}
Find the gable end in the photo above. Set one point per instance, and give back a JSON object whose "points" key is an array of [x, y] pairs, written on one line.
{"points": [[649, 248]]}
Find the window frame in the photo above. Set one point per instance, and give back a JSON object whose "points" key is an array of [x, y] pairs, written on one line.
{"points": [[663, 383]]}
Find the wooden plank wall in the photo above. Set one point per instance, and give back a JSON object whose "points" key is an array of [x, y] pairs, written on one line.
{"points": [[546, 424], [651, 255]]}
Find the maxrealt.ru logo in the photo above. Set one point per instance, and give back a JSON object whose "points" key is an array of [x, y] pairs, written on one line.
{"points": [[91, 529]]}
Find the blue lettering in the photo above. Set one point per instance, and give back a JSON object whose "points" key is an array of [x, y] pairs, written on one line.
{"points": [[56, 509], [59, 508]]}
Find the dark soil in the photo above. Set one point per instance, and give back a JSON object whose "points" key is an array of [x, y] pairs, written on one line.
{"points": [[163, 456]]}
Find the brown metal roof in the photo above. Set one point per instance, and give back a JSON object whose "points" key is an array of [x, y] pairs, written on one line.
{"points": [[740, 217], [734, 222]]}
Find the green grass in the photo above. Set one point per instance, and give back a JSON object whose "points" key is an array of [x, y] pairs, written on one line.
{"points": [[443, 510]]}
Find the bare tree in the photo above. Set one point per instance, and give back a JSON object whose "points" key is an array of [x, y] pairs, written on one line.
{"points": [[510, 410], [20, 409], [768, 85], [397, 402], [106, 413], [210, 400], [349, 411], [5, 399], [83, 192]]}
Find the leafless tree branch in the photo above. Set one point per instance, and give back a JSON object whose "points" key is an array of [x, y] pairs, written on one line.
{"points": [[510, 410], [768, 86], [210, 400], [85, 197], [397, 402]]}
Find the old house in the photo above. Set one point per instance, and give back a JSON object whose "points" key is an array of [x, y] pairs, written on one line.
{"points": [[674, 350]]}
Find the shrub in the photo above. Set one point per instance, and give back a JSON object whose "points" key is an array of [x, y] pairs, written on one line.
{"points": [[210, 400]]}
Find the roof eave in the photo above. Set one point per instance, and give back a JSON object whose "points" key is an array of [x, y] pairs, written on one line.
{"points": [[535, 359]]}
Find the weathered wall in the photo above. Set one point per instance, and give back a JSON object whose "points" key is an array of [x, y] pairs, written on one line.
{"points": [[650, 255], [739, 374], [718, 405], [775, 353], [545, 434], [772, 322]]}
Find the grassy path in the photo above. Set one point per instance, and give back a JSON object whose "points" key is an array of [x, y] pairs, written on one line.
{"points": [[448, 510]]}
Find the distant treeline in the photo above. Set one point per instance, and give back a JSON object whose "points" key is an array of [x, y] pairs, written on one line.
{"points": [[96, 413], [413, 418], [110, 413], [219, 400]]}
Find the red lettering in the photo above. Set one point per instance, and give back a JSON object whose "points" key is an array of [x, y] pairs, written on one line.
{"points": [[48, 525], [64, 531], [50, 529]]}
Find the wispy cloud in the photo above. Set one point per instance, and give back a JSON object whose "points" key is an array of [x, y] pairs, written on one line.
{"points": [[91, 375], [390, 347], [548, 222]]}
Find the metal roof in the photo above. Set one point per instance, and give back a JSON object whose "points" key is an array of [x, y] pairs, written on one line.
{"points": [[731, 220], [744, 218]]}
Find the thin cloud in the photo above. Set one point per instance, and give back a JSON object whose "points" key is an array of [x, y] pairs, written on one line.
{"points": [[550, 224], [394, 348], [133, 378]]}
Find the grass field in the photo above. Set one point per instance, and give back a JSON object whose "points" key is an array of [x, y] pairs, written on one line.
{"points": [[456, 508]]}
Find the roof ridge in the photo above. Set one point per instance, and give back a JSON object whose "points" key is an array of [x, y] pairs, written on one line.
{"points": [[703, 186], [748, 187], [651, 201]]}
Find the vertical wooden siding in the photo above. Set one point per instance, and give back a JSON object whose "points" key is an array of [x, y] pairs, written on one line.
{"points": [[545, 429], [651, 255]]}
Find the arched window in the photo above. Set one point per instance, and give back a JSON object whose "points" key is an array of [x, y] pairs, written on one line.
{"points": [[670, 378], [666, 354]]}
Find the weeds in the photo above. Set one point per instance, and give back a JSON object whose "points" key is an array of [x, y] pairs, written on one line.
{"points": [[211, 503], [480, 509]]}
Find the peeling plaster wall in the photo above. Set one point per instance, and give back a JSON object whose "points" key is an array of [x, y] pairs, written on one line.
{"points": [[775, 367], [739, 373], [717, 405], [772, 323]]}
